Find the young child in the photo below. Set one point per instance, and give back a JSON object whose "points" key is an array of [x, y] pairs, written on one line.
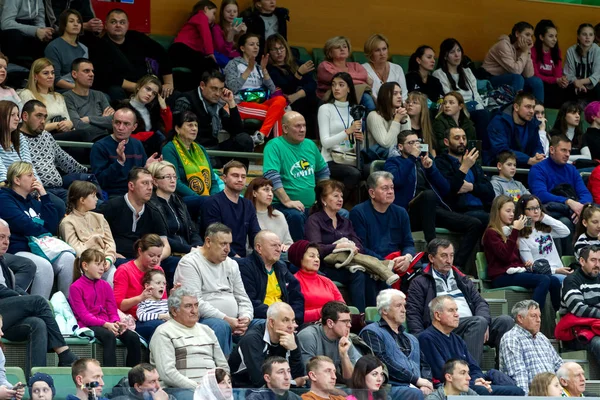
{"points": [[587, 231], [504, 183], [94, 306], [155, 283]]}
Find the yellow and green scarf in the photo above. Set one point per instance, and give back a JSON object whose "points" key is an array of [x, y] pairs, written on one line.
{"points": [[196, 166]]}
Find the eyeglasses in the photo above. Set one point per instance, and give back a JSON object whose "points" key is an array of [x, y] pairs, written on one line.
{"points": [[534, 209], [169, 177], [278, 49], [412, 142]]}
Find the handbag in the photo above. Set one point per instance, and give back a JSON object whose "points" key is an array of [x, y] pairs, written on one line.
{"points": [[541, 267], [344, 157], [49, 247], [258, 95]]}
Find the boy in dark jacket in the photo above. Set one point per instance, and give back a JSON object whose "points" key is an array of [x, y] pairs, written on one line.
{"points": [[265, 19]]}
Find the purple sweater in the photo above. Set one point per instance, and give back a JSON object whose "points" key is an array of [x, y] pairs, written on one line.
{"points": [[93, 302]]}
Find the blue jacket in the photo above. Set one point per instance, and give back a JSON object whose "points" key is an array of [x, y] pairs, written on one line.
{"points": [[546, 175], [405, 179], [503, 135], [21, 213], [255, 279], [385, 233]]}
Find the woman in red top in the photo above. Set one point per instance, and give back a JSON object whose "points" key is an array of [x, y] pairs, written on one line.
{"points": [[128, 288], [317, 289], [547, 63], [505, 267]]}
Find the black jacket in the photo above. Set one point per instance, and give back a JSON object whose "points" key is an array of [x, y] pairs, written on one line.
{"points": [[230, 121], [9, 289], [182, 232], [482, 187], [255, 279], [255, 23]]}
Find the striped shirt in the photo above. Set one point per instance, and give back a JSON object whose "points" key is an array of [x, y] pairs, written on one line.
{"points": [[581, 295], [151, 309], [584, 240]]}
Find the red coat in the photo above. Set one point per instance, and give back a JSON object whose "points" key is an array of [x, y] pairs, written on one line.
{"points": [[571, 327], [594, 184]]}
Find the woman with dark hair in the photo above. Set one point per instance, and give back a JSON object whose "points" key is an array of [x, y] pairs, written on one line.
{"points": [[387, 121], [453, 114], [367, 379], [509, 62], [454, 77], [66, 48], [418, 78], [338, 131], [547, 63], [215, 385], [568, 123], [226, 33], [13, 145], [582, 65]]}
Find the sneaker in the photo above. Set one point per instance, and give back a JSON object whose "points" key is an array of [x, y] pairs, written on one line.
{"points": [[258, 138]]}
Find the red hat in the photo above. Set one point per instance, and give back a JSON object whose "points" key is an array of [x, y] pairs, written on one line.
{"points": [[296, 252]]}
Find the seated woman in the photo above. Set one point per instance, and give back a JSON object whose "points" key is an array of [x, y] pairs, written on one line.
{"points": [[545, 384], [295, 80], [332, 232], [215, 385], [156, 117], [456, 78], [248, 78], [387, 121], [7, 93], [420, 121], [226, 33], [505, 267], [193, 45], [128, 288], [453, 113], [83, 229], [582, 65], [29, 212], [367, 379], [337, 50], [547, 63], [338, 131], [379, 69], [316, 288], [568, 123], [419, 78], [509, 62], [591, 137], [64, 49], [260, 193]]}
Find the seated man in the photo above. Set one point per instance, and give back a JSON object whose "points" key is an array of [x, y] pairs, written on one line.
{"points": [[518, 131], [322, 376], [456, 381], [267, 280], [123, 56], [131, 216], [572, 379], [114, 156], [440, 344], [383, 227], [216, 280], [87, 376], [277, 374], [524, 350], [471, 191], [331, 339], [274, 338], [28, 316], [440, 277], [211, 102], [430, 187], [397, 349], [182, 349], [265, 19], [294, 165], [231, 209], [46, 155], [144, 383], [88, 109]]}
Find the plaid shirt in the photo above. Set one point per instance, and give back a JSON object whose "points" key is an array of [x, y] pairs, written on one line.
{"points": [[523, 356]]}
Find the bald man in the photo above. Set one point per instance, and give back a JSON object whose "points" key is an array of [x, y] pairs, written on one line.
{"points": [[294, 165], [572, 379], [267, 279]]}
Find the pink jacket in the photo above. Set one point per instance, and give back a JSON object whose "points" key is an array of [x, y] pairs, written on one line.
{"points": [[545, 68], [221, 45], [93, 302], [196, 34], [502, 59], [326, 70]]}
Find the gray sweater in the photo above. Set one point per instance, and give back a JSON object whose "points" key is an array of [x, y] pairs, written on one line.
{"points": [[32, 11], [508, 187], [62, 55], [439, 394], [91, 106], [234, 81], [576, 67]]}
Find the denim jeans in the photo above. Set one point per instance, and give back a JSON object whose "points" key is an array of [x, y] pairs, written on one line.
{"points": [[296, 220], [146, 328], [222, 331], [406, 393], [518, 82], [541, 285], [498, 390]]}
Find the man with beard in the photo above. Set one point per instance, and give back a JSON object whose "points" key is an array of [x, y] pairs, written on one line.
{"points": [[471, 192]]}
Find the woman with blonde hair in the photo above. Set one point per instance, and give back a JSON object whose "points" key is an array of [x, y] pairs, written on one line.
{"points": [[420, 121], [379, 69], [545, 384]]}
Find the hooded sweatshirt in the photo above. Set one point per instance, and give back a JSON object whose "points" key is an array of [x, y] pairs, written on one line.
{"points": [[234, 81], [577, 67], [503, 58], [30, 11], [508, 187]]}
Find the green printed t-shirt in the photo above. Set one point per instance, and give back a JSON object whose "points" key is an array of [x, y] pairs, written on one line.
{"points": [[296, 164]]}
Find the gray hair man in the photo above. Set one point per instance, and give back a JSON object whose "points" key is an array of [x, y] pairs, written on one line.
{"points": [[572, 378], [524, 350], [182, 349]]}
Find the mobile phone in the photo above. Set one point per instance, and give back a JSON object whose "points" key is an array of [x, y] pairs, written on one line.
{"points": [[237, 21], [528, 222], [471, 144], [19, 386], [424, 149]]}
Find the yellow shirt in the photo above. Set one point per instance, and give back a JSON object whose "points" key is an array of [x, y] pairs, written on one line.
{"points": [[273, 294]]}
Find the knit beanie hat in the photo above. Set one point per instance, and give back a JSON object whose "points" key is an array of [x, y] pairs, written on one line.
{"points": [[40, 376], [296, 252]]}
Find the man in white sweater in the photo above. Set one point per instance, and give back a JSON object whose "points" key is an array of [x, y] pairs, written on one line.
{"points": [[216, 280], [182, 349]]}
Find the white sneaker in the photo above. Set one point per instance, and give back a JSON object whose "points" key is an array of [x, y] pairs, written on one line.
{"points": [[258, 138]]}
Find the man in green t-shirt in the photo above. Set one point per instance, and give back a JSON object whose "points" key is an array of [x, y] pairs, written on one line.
{"points": [[294, 165]]}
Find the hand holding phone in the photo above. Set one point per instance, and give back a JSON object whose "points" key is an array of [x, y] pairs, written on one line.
{"points": [[237, 21]]}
